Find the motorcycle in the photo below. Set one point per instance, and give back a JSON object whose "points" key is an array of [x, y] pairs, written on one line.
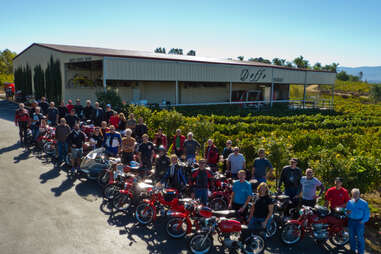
{"points": [[229, 232], [221, 193], [147, 210], [320, 224], [94, 163]]}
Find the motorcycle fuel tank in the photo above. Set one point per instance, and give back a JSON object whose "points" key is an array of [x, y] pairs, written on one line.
{"points": [[230, 226]]}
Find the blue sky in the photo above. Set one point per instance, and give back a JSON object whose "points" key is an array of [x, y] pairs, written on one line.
{"points": [[343, 31]]}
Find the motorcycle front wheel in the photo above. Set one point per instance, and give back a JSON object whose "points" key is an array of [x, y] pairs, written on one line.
{"points": [[254, 244], [291, 234], [103, 178], [340, 238], [200, 244], [121, 202], [49, 148], [111, 191], [176, 228], [144, 213], [271, 229]]}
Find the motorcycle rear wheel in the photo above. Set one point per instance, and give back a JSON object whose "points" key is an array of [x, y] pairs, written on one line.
{"points": [[197, 246], [272, 229], [49, 148], [176, 228], [103, 178], [291, 234], [121, 202], [144, 213], [218, 204], [340, 238], [255, 244]]}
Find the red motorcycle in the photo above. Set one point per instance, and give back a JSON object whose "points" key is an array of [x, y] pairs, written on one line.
{"points": [[160, 199], [229, 233], [221, 193], [132, 193], [320, 224]]}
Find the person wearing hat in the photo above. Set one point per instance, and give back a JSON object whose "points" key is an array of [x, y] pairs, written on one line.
{"points": [[241, 194], [336, 196], [201, 178], [162, 163], [290, 177]]}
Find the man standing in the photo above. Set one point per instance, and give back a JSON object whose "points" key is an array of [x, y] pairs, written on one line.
{"points": [[52, 113], [112, 142], [359, 213], [140, 129], [162, 163], [62, 131], [72, 118], [88, 111], [309, 184], [131, 123], [36, 122], [146, 152], [200, 182], [227, 151], [291, 176], [22, 120], [261, 164], [108, 113], [211, 155], [178, 143], [98, 115], [128, 148], [69, 105], [337, 196], [236, 162], [76, 139], [241, 195], [62, 110], [44, 106], [190, 148], [160, 139], [78, 108]]}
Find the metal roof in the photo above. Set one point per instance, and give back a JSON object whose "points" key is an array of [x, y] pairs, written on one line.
{"points": [[151, 55]]}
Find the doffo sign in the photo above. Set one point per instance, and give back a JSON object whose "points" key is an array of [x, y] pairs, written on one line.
{"points": [[253, 76]]}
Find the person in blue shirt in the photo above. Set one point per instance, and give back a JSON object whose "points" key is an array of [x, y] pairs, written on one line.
{"points": [[241, 194], [112, 142], [359, 213], [261, 164]]}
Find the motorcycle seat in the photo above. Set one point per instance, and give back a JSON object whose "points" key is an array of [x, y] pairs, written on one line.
{"points": [[224, 213], [185, 200], [282, 197]]}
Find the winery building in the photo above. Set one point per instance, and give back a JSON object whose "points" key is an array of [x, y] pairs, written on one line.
{"points": [[150, 78]]}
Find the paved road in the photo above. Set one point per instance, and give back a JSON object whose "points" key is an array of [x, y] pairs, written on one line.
{"points": [[44, 211]]}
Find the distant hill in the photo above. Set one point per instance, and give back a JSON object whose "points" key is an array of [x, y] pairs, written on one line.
{"points": [[370, 73]]}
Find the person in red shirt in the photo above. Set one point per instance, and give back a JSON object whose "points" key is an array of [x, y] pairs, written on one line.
{"points": [[114, 119], [178, 143], [160, 139], [22, 120], [211, 154], [69, 105], [337, 196]]}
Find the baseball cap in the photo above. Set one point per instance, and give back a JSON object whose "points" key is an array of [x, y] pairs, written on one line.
{"points": [[108, 105], [339, 179]]}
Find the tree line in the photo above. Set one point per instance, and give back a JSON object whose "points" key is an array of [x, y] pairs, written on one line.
{"points": [[6, 66]]}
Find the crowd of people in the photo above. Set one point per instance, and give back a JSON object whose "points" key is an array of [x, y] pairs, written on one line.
{"points": [[129, 139]]}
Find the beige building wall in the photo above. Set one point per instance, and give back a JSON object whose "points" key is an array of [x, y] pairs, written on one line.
{"points": [[203, 94]]}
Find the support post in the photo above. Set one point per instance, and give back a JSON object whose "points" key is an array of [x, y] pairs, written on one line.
{"points": [[333, 96], [304, 96], [230, 91], [177, 92], [272, 94], [104, 75]]}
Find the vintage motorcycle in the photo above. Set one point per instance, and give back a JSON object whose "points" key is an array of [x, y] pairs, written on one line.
{"points": [[320, 224], [229, 232]]}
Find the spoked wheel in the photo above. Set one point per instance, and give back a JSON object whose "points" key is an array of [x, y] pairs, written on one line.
{"points": [[218, 204], [176, 228], [340, 238], [49, 148], [144, 213], [103, 178], [200, 244], [291, 234], [111, 191], [271, 229], [121, 202], [254, 244]]}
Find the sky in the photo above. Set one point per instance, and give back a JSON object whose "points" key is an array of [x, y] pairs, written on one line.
{"points": [[347, 32]]}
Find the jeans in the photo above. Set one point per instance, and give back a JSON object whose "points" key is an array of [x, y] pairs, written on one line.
{"points": [[62, 148], [35, 132], [201, 194], [356, 235], [256, 223]]}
